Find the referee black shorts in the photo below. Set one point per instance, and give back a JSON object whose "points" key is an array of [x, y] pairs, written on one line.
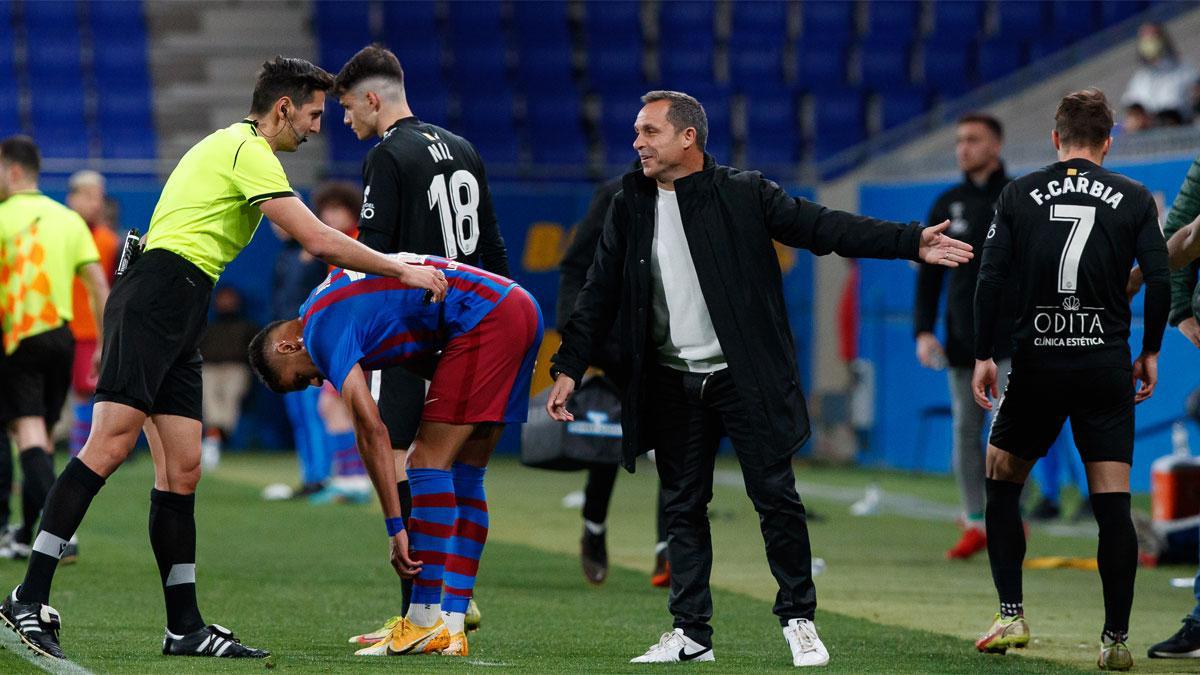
{"points": [[1098, 401], [37, 376], [401, 398], [153, 323]]}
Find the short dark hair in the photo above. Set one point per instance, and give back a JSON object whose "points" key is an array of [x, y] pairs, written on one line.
{"points": [[22, 151], [986, 120], [370, 61], [685, 111], [282, 76], [260, 358], [338, 193], [1083, 119]]}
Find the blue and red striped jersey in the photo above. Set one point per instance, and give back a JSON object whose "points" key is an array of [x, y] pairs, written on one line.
{"points": [[380, 322]]}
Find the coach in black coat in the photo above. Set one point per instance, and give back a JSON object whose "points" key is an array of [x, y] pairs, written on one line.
{"points": [[750, 389]]}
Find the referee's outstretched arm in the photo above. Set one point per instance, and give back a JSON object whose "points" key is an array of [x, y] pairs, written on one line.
{"points": [[335, 248]]}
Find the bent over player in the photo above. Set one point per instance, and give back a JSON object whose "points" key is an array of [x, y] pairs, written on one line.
{"points": [[487, 332], [209, 210], [1067, 235]]}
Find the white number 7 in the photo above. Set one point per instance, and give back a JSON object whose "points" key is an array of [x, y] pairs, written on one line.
{"points": [[1082, 218]]}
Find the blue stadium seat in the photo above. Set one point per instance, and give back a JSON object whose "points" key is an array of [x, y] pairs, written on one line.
{"points": [[771, 130], [960, 19], [1048, 44], [820, 66], [127, 143], [1074, 20], [542, 23], [556, 127], [828, 19], [344, 146], [430, 106], [886, 65], [410, 20], [720, 136], [50, 15], [999, 57], [1021, 20], [948, 67], [422, 64], [686, 17], [892, 22], [762, 24], [757, 70], [54, 62], [613, 24], [839, 122], [117, 63], [10, 114], [616, 69], [473, 24], [483, 70], [58, 120], [900, 106], [116, 18], [1116, 11], [616, 126], [681, 69], [545, 69]]}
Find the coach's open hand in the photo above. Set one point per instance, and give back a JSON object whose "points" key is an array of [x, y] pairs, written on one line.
{"points": [[556, 405], [405, 567], [984, 383], [938, 249], [424, 276]]}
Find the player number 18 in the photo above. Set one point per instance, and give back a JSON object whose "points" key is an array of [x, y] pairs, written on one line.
{"points": [[458, 208]]}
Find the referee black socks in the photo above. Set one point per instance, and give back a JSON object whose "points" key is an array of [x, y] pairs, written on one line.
{"points": [[1116, 556], [406, 585], [68, 500], [37, 471], [173, 538], [1005, 539]]}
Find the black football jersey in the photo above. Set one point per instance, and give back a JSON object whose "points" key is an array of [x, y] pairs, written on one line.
{"points": [[1067, 236], [425, 192]]}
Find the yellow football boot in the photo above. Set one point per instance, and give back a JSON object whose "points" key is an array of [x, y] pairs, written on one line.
{"points": [[457, 646], [474, 617], [408, 638]]}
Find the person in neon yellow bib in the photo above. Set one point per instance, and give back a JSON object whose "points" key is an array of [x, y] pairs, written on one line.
{"points": [[209, 210]]}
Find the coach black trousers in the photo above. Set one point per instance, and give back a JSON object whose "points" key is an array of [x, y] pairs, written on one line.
{"points": [[690, 413]]}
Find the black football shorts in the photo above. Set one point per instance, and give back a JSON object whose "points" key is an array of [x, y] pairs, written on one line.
{"points": [[1098, 401], [37, 376]]}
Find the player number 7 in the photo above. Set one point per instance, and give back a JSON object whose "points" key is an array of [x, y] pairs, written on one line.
{"points": [[1082, 218]]}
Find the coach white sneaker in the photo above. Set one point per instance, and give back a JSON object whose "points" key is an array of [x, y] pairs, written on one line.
{"points": [[807, 648], [675, 647]]}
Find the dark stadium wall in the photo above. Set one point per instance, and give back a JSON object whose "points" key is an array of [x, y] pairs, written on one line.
{"points": [[912, 404]]}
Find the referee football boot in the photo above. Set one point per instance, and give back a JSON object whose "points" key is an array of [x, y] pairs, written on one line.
{"points": [[1184, 644], [1114, 655], [211, 640], [593, 557], [675, 647], [1006, 632], [36, 624]]}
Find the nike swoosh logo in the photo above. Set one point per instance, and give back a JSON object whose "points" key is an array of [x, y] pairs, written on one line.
{"points": [[1084, 173], [432, 400], [684, 656]]}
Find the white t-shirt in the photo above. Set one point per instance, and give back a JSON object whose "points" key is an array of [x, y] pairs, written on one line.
{"points": [[682, 328], [1167, 87]]}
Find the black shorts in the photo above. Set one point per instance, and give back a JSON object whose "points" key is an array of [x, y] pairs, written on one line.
{"points": [[401, 398], [37, 377], [1098, 401], [153, 323]]}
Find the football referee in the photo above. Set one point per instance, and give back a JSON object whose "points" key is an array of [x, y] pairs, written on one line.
{"points": [[209, 209], [1068, 234], [425, 192]]}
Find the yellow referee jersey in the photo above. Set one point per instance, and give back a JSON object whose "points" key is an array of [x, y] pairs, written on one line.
{"points": [[208, 210]]}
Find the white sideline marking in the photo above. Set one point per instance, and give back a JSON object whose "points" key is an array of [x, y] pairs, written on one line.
{"points": [[10, 641]]}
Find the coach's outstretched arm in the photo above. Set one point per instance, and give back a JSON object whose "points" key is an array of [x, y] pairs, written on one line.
{"points": [[800, 223], [1151, 255], [375, 448], [335, 248]]}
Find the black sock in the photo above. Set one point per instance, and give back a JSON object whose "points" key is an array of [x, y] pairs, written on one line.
{"points": [[1117, 557], [66, 504], [173, 538], [597, 493], [6, 479], [661, 518], [37, 470], [406, 585], [1005, 539]]}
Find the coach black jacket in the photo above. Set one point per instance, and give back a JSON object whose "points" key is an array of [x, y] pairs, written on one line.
{"points": [[731, 218]]}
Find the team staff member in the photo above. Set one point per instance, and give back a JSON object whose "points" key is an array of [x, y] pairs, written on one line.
{"points": [[687, 269], [1068, 235], [44, 248], [969, 207], [425, 192], [209, 209], [601, 478]]}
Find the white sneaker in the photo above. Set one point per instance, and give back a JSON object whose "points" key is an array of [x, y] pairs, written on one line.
{"points": [[807, 648], [674, 647]]}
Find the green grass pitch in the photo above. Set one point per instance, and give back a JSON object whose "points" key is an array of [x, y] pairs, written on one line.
{"points": [[299, 579]]}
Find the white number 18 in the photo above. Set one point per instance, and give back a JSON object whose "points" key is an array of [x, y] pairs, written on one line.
{"points": [[460, 230], [1082, 218]]}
